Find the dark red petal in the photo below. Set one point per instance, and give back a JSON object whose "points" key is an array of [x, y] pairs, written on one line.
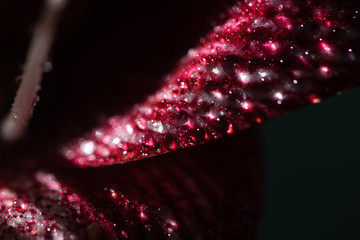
{"points": [[40, 207], [266, 59], [192, 196]]}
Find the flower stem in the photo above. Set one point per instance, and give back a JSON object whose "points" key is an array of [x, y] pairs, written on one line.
{"points": [[26, 97]]}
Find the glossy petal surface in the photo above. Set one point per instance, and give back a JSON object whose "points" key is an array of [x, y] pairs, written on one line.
{"points": [[264, 60]]}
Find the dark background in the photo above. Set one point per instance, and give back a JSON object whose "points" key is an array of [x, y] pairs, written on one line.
{"points": [[312, 172], [108, 55]]}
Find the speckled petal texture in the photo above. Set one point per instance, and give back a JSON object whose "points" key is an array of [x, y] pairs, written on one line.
{"points": [[264, 59]]}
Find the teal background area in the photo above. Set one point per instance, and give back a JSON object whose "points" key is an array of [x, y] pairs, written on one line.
{"points": [[312, 163]]}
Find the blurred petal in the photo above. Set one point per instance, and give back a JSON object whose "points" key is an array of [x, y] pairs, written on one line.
{"points": [[39, 207], [213, 191]]}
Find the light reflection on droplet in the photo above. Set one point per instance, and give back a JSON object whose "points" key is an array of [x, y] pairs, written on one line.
{"points": [[244, 77], [278, 96], [87, 147], [326, 48], [116, 141]]}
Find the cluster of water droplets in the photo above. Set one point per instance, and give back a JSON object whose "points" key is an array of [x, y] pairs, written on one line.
{"points": [[40, 207], [263, 60]]}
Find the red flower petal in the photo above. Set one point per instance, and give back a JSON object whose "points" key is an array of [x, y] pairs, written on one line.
{"points": [[266, 59], [40, 207]]}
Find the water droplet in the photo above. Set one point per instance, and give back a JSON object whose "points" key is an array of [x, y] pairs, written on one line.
{"points": [[228, 64], [37, 99], [314, 98], [183, 117], [261, 34], [47, 67], [170, 142], [157, 126], [87, 147], [18, 79]]}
